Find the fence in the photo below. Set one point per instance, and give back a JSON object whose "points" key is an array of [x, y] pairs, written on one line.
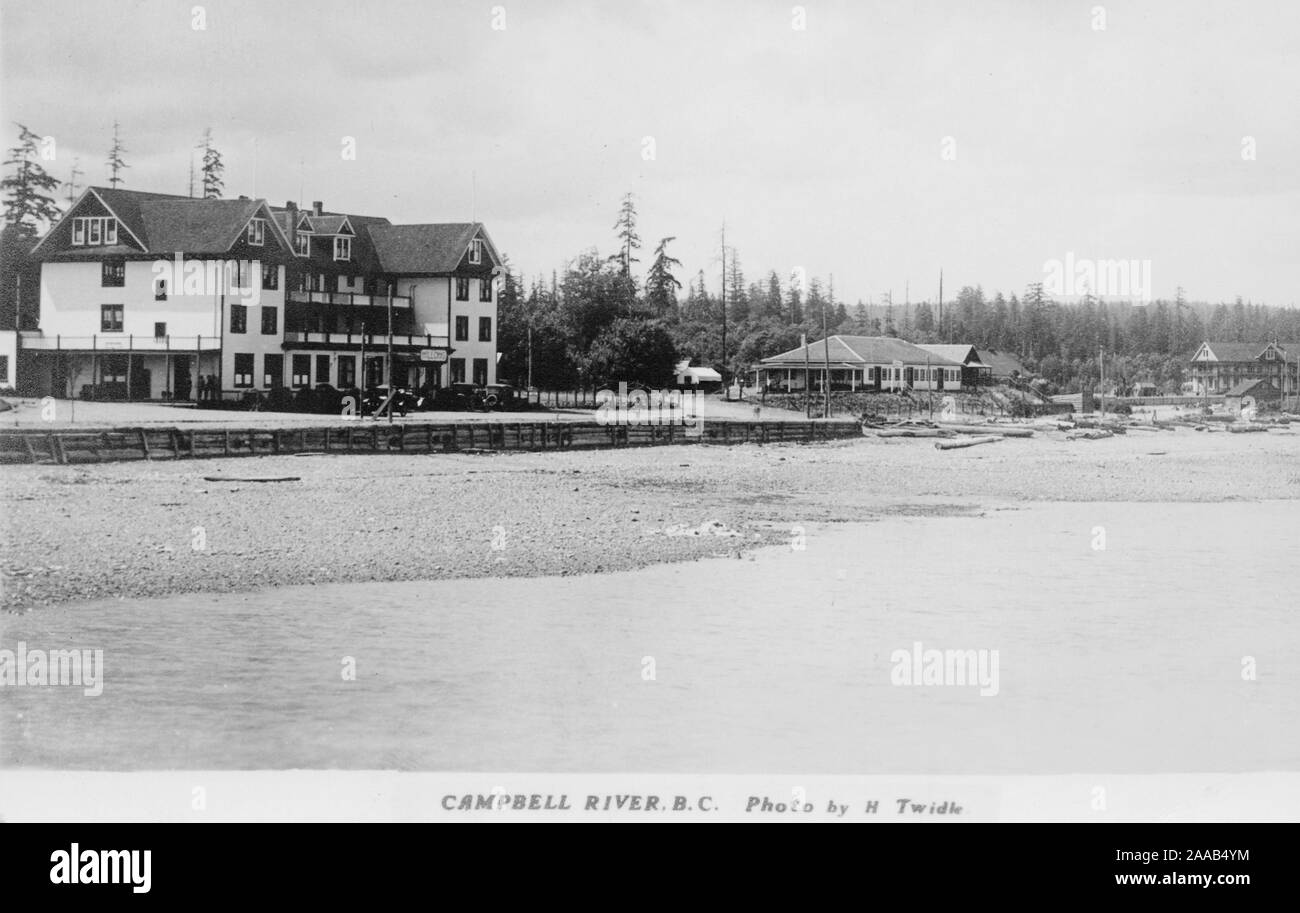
{"points": [[62, 447], [581, 398], [891, 406]]}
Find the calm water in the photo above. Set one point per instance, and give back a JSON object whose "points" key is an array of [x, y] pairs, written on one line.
{"points": [[1123, 660]]}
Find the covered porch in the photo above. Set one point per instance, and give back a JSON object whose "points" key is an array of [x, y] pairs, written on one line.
{"points": [[118, 368]]}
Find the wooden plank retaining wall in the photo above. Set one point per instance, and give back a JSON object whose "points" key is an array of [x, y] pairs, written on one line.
{"points": [[63, 446]]}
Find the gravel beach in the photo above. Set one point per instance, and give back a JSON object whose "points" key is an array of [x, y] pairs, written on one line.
{"points": [[73, 533]]}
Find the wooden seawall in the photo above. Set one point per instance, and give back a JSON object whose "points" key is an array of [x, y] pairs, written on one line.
{"points": [[63, 446]]}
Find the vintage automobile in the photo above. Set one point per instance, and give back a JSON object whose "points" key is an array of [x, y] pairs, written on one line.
{"points": [[502, 397], [458, 397]]}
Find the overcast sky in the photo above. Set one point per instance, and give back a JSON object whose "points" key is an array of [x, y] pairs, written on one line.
{"points": [[821, 148]]}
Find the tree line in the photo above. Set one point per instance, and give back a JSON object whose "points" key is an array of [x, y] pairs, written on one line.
{"points": [[29, 190], [594, 322]]}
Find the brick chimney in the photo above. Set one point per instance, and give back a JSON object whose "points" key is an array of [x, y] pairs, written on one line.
{"points": [[318, 208], [291, 205]]}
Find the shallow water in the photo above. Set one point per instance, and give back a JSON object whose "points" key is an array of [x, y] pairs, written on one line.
{"points": [[1127, 659]]}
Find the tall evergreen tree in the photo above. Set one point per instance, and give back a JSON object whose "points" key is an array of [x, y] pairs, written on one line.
{"points": [[115, 163], [661, 285], [628, 240], [28, 191], [212, 168]]}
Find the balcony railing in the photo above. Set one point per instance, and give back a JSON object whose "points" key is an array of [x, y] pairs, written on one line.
{"points": [[348, 299], [370, 340], [121, 342]]}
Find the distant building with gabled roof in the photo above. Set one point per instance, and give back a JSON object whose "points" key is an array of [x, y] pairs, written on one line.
{"points": [[1217, 367], [868, 363]]}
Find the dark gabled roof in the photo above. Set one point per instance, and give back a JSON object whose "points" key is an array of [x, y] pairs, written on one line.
{"points": [[195, 226], [1004, 364], [433, 248], [1246, 386], [165, 224], [876, 350], [1235, 351], [1247, 351], [962, 354], [126, 205], [328, 225]]}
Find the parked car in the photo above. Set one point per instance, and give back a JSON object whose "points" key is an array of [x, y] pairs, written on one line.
{"points": [[502, 397], [460, 397]]}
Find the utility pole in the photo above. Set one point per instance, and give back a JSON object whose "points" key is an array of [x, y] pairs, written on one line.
{"points": [[942, 337], [929, 384], [726, 388], [392, 390], [807, 388], [1102, 365], [826, 372], [530, 356]]}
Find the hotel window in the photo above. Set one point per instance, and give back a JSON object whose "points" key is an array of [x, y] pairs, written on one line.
{"points": [[113, 274], [458, 370], [273, 371], [322, 369], [462, 290], [239, 319], [257, 232], [110, 318], [270, 320], [342, 248], [476, 252], [462, 329], [485, 329], [301, 370], [303, 244], [4, 369], [243, 369], [485, 290], [159, 330], [270, 276], [480, 372], [160, 290], [347, 371]]}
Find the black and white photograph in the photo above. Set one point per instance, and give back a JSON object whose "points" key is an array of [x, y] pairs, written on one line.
{"points": [[650, 412]]}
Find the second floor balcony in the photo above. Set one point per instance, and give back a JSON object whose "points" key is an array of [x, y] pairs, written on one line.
{"points": [[347, 299], [303, 339]]}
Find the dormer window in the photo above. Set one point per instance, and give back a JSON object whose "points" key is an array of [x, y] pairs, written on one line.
{"points": [[342, 248], [303, 244], [476, 251], [94, 230], [257, 232]]}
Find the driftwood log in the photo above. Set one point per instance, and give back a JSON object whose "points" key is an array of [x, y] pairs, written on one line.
{"points": [[965, 442]]}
